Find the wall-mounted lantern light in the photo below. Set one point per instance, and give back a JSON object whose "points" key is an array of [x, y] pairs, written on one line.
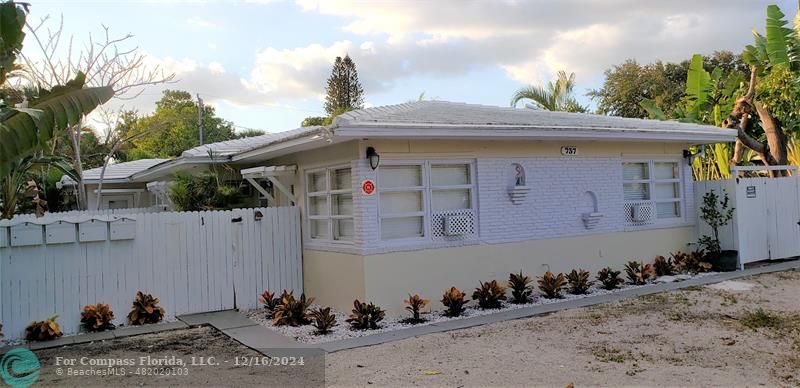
{"points": [[373, 157]]}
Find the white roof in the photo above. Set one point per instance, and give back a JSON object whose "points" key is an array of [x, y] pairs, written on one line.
{"points": [[235, 146], [451, 119], [427, 120], [121, 171]]}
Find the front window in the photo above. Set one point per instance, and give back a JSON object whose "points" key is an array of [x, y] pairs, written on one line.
{"points": [[402, 202], [330, 204], [656, 183], [411, 194]]}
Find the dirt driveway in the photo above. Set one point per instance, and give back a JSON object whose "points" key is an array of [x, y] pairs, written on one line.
{"points": [[696, 337]]}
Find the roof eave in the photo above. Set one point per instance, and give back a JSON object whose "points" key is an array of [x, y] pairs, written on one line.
{"points": [[96, 181], [168, 167], [315, 140], [499, 132]]}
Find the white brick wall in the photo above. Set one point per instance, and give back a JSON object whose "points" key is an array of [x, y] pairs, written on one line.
{"points": [[556, 200], [554, 206]]}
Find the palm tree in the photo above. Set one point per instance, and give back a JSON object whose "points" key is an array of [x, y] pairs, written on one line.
{"points": [[557, 96]]}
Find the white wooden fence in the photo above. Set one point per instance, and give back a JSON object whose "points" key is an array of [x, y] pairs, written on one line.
{"points": [[192, 261], [76, 213], [766, 222]]}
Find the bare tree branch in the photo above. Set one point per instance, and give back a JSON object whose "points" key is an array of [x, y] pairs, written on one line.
{"points": [[111, 61]]}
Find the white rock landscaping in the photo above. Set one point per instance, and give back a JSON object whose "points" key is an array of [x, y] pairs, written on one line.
{"points": [[306, 333]]}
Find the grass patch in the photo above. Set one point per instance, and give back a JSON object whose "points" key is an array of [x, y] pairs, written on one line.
{"points": [[761, 318], [606, 354], [728, 299]]}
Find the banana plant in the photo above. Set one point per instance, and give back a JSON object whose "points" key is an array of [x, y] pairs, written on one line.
{"points": [[24, 129], [15, 183], [707, 96], [781, 45]]}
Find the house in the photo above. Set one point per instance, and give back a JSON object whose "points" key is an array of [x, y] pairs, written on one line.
{"points": [[142, 183], [417, 197]]}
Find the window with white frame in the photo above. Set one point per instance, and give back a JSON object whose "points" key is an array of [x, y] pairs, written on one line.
{"points": [[329, 204], [655, 182], [410, 193]]}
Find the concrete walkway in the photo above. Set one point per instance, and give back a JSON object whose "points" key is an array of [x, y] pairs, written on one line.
{"points": [[251, 334], [266, 341]]}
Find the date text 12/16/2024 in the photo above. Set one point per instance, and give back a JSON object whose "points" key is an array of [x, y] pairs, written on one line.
{"points": [[176, 361]]}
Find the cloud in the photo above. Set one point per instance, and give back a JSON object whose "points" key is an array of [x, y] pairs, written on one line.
{"points": [[532, 40], [528, 40], [200, 23]]}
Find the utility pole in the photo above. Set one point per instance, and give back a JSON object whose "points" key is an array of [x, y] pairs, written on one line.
{"points": [[201, 120]]}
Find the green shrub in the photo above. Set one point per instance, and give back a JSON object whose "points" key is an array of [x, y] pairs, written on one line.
{"points": [[578, 281], [43, 330], [98, 317], [453, 300], [145, 310], [521, 288], [291, 311], [415, 304], [609, 278], [663, 266], [551, 285], [489, 295], [638, 273], [365, 316], [323, 320], [269, 301]]}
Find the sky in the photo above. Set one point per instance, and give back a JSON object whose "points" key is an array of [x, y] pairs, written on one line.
{"points": [[263, 63]]}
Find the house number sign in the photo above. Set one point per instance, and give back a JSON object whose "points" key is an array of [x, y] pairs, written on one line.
{"points": [[569, 150], [368, 187]]}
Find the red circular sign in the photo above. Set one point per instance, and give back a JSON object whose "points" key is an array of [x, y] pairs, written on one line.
{"points": [[368, 187]]}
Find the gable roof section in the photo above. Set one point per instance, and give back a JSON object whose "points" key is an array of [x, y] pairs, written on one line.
{"points": [[442, 119], [223, 151], [120, 171], [232, 147]]}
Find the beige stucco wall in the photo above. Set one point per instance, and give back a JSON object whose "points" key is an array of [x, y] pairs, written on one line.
{"points": [[390, 277], [333, 278]]}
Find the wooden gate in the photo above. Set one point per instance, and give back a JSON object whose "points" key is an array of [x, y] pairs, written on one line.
{"points": [[766, 223]]}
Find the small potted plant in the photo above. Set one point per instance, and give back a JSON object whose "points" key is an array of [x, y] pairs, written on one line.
{"points": [[716, 212]]}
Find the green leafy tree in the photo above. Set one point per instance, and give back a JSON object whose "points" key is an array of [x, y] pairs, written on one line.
{"points": [[204, 191], [313, 121], [173, 127], [249, 132], [716, 212], [706, 96], [21, 180], [628, 84], [344, 91], [556, 96]]}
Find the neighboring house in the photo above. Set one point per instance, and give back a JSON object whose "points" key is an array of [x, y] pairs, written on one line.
{"points": [[142, 183], [119, 191], [463, 193]]}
